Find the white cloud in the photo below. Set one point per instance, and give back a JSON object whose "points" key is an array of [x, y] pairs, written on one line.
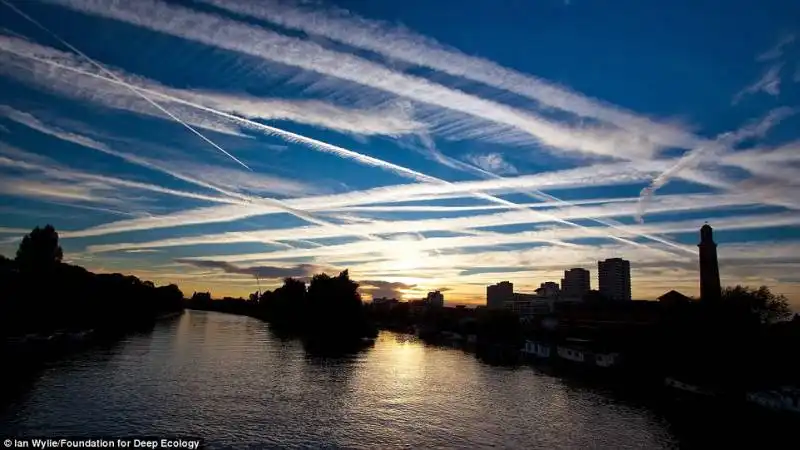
{"points": [[493, 162], [33, 122], [389, 120], [399, 43], [367, 98], [21, 160], [672, 204], [312, 143], [610, 174], [364, 159], [25, 61], [53, 190], [262, 43], [768, 83], [712, 150], [777, 50], [392, 119], [185, 171]]}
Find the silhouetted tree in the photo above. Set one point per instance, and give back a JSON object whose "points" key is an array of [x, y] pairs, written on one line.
{"points": [[40, 294], [764, 305], [331, 307], [335, 307], [39, 249]]}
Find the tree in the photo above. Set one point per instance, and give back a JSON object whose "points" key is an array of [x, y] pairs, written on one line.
{"points": [[764, 305], [39, 248]]}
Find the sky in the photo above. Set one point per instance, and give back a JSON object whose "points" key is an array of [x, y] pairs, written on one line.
{"points": [[226, 144]]}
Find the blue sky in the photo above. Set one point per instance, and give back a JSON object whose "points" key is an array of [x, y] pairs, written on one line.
{"points": [[422, 146]]}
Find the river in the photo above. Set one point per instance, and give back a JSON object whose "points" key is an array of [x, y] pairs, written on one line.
{"points": [[229, 380]]}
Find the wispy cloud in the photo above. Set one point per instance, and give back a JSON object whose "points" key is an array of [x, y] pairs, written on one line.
{"points": [[35, 123], [8, 230], [493, 162], [609, 174], [187, 171], [323, 146], [400, 43], [25, 161], [292, 137], [27, 62], [372, 95], [715, 149], [456, 245], [318, 145], [777, 50], [53, 190], [768, 83], [675, 204], [389, 120], [262, 43]]}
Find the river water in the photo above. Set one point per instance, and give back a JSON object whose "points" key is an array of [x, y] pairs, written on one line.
{"points": [[229, 380]]}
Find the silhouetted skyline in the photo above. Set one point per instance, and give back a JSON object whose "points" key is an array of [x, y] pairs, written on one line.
{"points": [[420, 145]]}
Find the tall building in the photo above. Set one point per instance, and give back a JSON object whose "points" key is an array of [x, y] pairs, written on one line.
{"points": [[498, 294], [614, 277], [435, 299], [576, 283], [710, 288]]}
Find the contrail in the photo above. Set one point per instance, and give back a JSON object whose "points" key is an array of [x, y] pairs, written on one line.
{"points": [[543, 196], [720, 145], [402, 44], [333, 149], [539, 195], [116, 79], [268, 45], [127, 85]]}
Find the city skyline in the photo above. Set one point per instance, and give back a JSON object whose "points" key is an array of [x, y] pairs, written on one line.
{"points": [[424, 148]]}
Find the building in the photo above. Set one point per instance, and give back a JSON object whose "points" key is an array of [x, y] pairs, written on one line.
{"points": [[575, 284], [417, 307], [710, 288], [528, 305], [498, 294], [435, 299], [549, 289], [614, 279], [384, 301], [674, 298]]}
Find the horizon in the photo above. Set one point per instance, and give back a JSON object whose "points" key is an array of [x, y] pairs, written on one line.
{"points": [[422, 148]]}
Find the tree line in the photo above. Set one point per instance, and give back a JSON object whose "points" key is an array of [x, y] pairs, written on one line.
{"points": [[40, 294], [329, 307]]}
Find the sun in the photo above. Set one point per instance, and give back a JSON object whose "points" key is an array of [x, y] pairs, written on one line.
{"points": [[404, 254]]}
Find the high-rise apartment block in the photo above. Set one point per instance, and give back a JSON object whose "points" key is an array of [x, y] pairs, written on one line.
{"points": [[575, 284], [498, 294], [614, 277]]}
